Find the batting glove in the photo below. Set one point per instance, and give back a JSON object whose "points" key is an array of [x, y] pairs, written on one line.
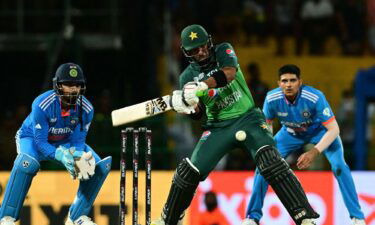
{"points": [[190, 92], [178, 105]]}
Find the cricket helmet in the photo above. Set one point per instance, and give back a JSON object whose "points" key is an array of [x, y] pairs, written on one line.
{"points": [[192, 37], [69, 73]]}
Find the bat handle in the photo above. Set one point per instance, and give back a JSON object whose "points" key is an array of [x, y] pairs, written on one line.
{"points": [[200, 93]]}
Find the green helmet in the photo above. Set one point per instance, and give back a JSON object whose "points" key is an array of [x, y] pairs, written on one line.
{"points": [[194, 36]]}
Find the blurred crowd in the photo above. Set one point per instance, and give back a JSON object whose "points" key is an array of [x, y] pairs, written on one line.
{"points": [[351, 23]]}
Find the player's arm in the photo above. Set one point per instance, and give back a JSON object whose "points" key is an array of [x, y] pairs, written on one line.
{"points": [[222, 77], [78, 137], [325, 114], [40, 128], [333, 131]]}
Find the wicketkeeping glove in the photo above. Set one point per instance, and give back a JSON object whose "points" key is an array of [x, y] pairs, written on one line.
{"points": [[190, 91], [85, 166], [179, 105], [67, 156]]}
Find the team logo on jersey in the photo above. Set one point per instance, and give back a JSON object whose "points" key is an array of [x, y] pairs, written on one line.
{"points": [[73, 72], [38, 126], [25, 164], [73, 121], [193, 35], [205, 135], [327, 112], [306, 114]]}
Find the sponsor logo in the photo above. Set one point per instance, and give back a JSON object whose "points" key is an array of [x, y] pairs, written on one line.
{"points": [[213, 92], [87, 127], [156, 106], [38, 126], [282, 114], [64, 130], [25, 164], [53, 120], [205, 135], [230, 52]]}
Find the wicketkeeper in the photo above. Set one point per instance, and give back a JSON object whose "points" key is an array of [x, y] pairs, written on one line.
{"points": [[56, 130]]}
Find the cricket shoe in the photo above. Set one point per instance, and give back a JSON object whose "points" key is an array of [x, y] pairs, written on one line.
{"points": [[7, 220], [249, 221], [160, 221], [82, 220], [356, 221], [308, 222]]}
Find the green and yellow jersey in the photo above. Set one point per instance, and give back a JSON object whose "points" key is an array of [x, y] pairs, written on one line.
{"points": [[224, 103]]}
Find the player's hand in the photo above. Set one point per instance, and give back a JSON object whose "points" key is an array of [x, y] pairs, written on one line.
{"points": [[66, 156], [190, 92], [178, 104], [85, 166], [305, 160]]}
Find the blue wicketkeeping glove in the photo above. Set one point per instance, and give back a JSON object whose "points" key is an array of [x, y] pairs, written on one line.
{"points": [[66, 156]]}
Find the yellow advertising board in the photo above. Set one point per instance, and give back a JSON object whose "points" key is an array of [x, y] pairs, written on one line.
{"points": [[51, 194]]}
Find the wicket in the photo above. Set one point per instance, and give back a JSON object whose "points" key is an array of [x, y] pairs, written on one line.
{"points": [[134, 134]]}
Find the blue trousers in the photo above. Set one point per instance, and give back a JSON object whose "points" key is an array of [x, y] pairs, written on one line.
{"points": [[287, 144], [25, 168]]}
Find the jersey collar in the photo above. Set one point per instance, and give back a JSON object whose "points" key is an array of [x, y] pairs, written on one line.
{"points": [[288, 102], [67, 112]]}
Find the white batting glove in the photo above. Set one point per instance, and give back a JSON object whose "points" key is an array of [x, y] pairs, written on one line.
{"points": [[85, 166], [178, 104], [190, 91]]}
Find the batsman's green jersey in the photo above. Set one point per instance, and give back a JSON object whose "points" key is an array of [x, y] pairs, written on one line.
{"points": [[227, 102], [229, 109]]}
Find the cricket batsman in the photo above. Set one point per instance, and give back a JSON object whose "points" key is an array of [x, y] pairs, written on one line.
{"points": [[232, 121], [56, 130]]}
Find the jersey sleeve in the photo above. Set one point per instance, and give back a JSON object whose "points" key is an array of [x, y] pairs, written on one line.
{"points": [[225, 56], [324, 112], [40, 130], [78, 137], [268, 111]]}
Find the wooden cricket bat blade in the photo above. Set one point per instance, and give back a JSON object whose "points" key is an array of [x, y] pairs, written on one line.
{"points": [[140, 111]]}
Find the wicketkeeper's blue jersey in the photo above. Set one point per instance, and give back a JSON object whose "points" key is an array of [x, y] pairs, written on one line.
{"points": [[50, 127], [305, 116]]}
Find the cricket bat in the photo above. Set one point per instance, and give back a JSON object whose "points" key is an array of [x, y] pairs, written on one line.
{"points": [[141, 111]]}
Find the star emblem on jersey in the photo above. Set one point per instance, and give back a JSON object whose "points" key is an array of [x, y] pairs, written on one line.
{"points": [[73, 72], [193, 35]]}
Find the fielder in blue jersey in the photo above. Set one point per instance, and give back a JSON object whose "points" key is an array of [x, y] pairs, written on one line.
{"points": [[306, 117], [56, 130]]}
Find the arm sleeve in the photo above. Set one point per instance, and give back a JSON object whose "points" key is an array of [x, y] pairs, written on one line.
{"points": [[324, 112], [226, 56], [78, 137], [40, 128], [268, 111]]}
